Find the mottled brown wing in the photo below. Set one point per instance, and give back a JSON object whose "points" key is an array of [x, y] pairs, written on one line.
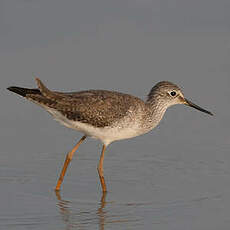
{"points": [[99, 108]]}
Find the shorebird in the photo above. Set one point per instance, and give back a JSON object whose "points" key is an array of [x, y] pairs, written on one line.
{"points": [[105, 115]]}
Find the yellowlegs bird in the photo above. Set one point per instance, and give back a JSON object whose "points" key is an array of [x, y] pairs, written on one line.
{"points": [[105, 115]]}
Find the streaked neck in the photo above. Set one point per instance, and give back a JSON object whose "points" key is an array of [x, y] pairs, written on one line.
{"points": [[157, 108]]}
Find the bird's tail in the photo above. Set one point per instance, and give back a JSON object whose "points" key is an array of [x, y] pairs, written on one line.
{"points": [[23, 91], [40, 94], [42, 90]]}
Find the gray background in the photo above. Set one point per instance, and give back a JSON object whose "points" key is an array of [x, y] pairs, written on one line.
{"points": [[176, 177]]}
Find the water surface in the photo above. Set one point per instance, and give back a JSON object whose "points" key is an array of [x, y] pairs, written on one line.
{"points": [[147, 190]]}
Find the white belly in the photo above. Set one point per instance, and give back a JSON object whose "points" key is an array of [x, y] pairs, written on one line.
{"points": [[106, 134]]}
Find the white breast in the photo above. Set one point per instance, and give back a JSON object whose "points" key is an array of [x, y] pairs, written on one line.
{"points": [[106, 134]]}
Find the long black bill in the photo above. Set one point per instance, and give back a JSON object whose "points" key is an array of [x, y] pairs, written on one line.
{"points": [[189, 103]]}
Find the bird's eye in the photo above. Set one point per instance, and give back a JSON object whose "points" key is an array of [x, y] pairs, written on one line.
{"points": [[173, 93]]}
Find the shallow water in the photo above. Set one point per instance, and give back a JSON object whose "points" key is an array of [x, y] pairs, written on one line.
{"points": [[147, 190], [174, 178]]}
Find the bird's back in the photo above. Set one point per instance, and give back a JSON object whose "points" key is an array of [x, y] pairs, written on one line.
{"points": [[99, 108]]}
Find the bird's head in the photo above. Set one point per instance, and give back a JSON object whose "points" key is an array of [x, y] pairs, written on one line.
{"points": [[169, 94]]}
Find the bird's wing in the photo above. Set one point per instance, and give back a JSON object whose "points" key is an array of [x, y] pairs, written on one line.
{"points": [[99, 108]]}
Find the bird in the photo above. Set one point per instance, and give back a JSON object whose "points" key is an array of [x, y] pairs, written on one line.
{"points": [[105, 115]]}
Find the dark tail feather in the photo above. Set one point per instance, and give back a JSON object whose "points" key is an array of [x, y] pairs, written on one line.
{"points": [[23, 91]]}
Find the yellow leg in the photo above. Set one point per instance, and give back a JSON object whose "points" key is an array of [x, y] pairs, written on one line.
{"points": [[101, 171], [68, 158]]}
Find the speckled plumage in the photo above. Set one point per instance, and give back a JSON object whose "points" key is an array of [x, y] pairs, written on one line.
{"points": [[106, 115], [103, 108], [99, 108]]}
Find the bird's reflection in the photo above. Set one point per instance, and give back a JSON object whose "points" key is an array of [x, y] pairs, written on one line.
{"points": [[101, 212], [63, 208], [67, 214]]}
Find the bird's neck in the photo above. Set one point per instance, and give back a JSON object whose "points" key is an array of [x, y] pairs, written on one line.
{"points": [[156, 109]]}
